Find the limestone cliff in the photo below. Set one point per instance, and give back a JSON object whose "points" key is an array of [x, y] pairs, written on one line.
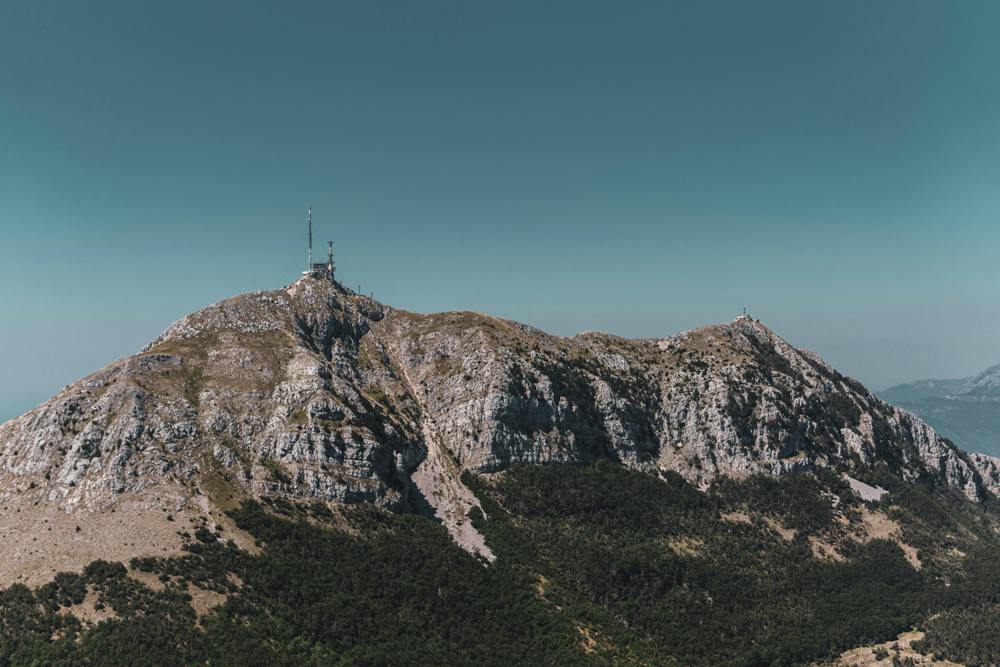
{"points": [[313, 391]]}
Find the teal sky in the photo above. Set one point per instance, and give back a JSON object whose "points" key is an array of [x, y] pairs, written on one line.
{"points": [[639, 168]]}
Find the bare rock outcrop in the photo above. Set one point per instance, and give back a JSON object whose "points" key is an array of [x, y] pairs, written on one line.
{"points": [[731, 399], [313, 391]]}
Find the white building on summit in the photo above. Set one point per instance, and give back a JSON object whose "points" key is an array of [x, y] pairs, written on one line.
{"points": [[318, 269]]}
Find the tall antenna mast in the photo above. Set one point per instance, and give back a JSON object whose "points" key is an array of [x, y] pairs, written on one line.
{"points": [[309, 266]]}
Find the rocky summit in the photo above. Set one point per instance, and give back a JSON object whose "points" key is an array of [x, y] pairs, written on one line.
{"points": [[315, 392]]}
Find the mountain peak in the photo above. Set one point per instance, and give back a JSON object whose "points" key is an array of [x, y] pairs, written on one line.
{"points": [[314, 391], [984, 385]]}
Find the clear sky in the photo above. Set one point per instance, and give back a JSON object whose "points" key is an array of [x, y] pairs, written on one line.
{"points": [[639, 168]]}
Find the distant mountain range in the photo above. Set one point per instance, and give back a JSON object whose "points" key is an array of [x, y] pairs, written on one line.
{"points": [[966, 410]]}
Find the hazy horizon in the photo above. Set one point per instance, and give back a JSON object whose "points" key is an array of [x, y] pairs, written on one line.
{"points": [[639, 170], [20, 404]]}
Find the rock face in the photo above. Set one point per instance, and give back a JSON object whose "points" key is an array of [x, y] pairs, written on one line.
{"points": [[731, 399], [275, 389], [313, 391]]}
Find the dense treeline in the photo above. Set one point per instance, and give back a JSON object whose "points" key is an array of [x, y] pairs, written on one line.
{"points": [[398, 592], [968, 629], [728, 592], [596, 565]]}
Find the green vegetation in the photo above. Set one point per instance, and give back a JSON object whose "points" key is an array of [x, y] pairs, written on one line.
{"points": [[967, 628], [401, 593], [744, 596], [597, 565], [276, 471], [672, 566], [217, 484]]}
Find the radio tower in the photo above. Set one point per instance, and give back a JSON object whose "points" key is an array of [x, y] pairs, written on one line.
{"points": [[309, 266], [321, 269]]}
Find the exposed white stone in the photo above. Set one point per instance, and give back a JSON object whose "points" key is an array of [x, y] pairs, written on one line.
{"points": [[316, 392], [865, 491]]}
